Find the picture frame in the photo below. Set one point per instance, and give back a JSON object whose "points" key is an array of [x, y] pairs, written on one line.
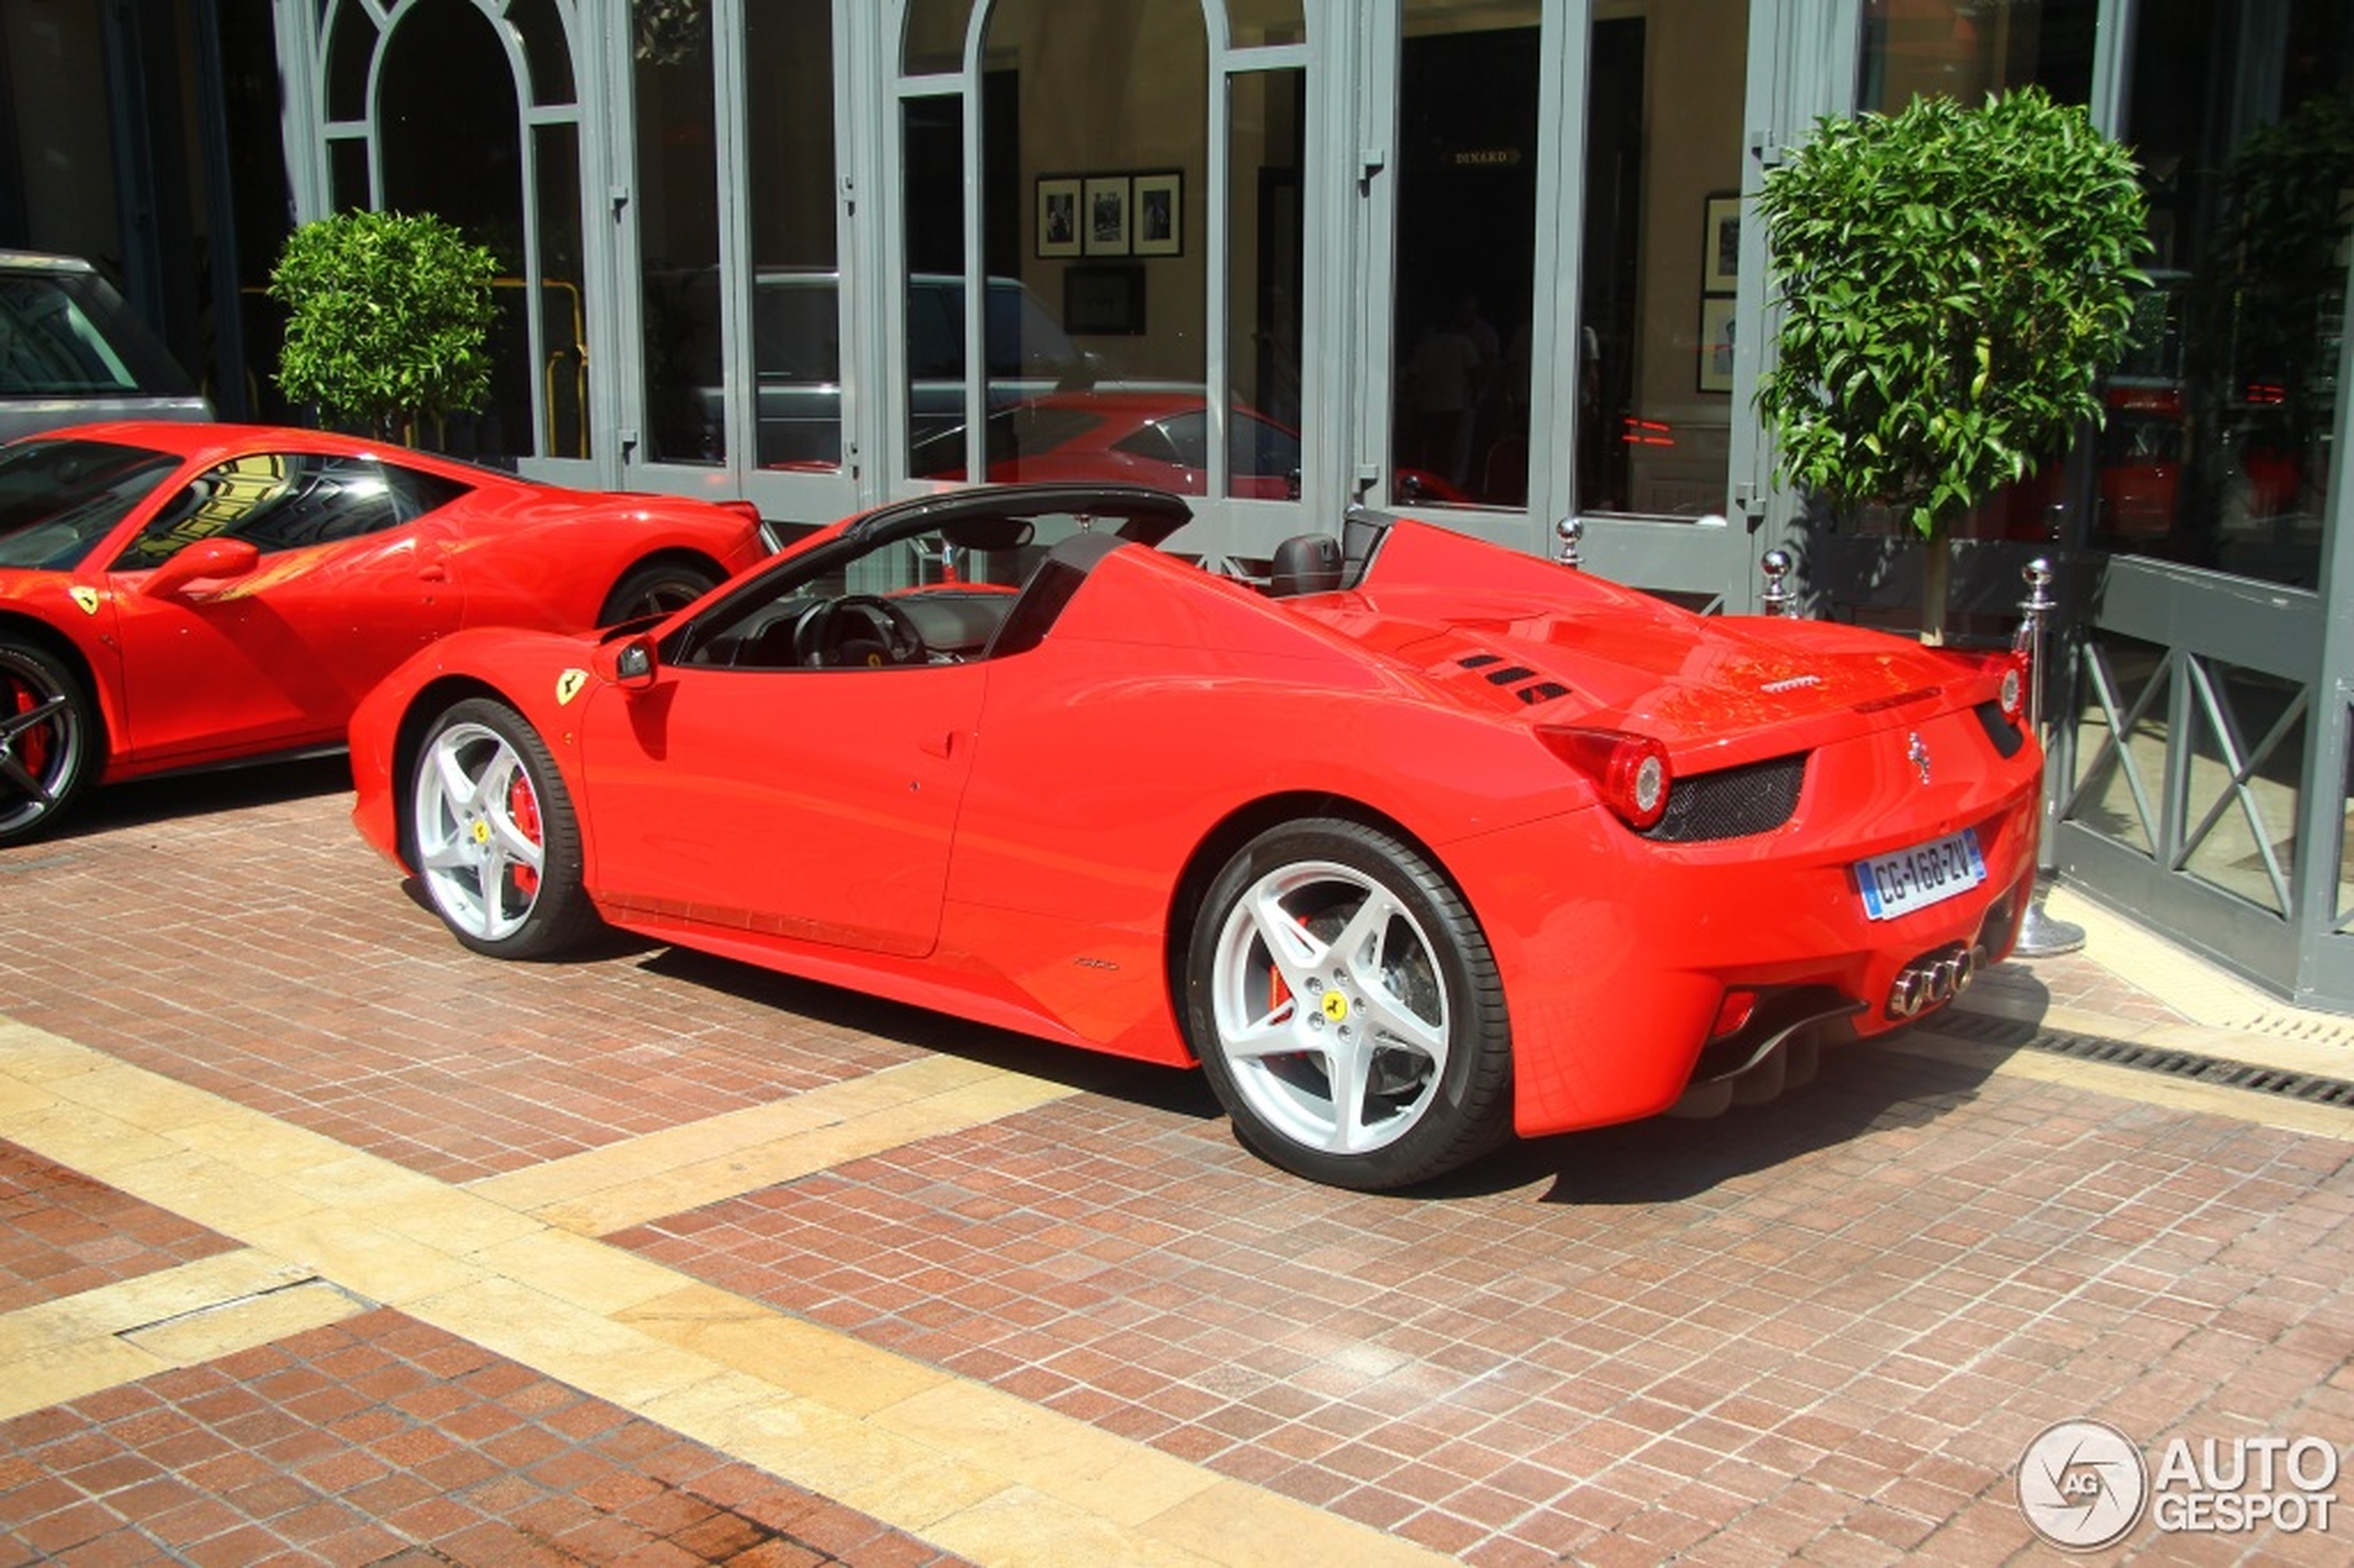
{"points": [[1714, 346], [1103, 215], [1720, 257], [1104, 301], [1058, 214], [1157, 215]]}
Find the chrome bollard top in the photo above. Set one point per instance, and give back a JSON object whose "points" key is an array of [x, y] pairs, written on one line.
{"points": [[1572, 533], [1777, 600]]}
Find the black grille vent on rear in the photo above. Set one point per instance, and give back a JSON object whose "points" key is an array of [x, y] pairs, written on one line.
{"points": [[1732, 803], [2007, 737]]}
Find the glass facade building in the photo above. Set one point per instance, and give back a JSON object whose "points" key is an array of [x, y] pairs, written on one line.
{"points": [[1488, 259]]}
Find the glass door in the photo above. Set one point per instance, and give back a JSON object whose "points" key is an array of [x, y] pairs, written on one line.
{"points": [[1567, 277], [1100, 237], [736, 303]]}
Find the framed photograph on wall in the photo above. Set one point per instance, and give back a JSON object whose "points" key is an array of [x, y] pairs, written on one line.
{"points": [[1158, 221], [1058, 215], [1720, 260], [1717, 342], [1104, 214], [1103, 301]]}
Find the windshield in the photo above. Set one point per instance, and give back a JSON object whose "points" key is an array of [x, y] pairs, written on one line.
{"points": [[58, 499]]}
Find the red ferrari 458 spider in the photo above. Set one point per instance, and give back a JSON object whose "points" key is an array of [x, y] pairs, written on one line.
{"points": [[176, 596], [1422, 842]]}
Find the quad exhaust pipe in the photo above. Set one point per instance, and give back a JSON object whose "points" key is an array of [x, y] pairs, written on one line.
{"points": [[1933, 980]]}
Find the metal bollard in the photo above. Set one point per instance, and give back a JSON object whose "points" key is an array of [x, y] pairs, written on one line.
{"points": [[1777, 598], [2040, 936], [1572, 533]]}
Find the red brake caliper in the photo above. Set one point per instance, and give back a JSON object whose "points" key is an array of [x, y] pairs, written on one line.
{"points": [[523, 810], [33, 746]]}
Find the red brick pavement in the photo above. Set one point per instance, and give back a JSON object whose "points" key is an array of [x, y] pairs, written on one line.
{"points": [[382, 1441], [1823, 1328], [61, 1234]]}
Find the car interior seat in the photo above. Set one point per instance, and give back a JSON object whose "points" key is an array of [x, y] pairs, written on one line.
{"points": [[1304, 563]]}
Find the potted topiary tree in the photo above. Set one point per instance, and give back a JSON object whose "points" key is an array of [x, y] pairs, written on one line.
{"points": [[1953, 284], [388, 319]]}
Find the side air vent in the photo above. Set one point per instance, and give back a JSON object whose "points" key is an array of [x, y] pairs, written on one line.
{"points": [[1732, 803]]}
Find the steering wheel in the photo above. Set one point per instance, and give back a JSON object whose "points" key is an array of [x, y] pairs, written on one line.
{"points": [[858, 628]]}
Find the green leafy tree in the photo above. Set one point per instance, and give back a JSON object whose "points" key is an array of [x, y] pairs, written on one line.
{"points": [[390, 318], [1955, 283]]}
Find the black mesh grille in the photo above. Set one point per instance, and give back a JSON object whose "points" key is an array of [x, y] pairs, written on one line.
{"points": [[1732, 803]]}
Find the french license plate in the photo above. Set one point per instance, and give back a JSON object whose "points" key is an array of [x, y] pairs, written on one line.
{"points": [[1914, 879]]}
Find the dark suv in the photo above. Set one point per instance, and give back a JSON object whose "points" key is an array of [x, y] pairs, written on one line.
{"points": [[71, 352]]}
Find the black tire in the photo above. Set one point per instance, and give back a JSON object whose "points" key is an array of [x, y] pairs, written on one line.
{"points": [[1418, 1039], [492, 835], [656, 588], [48, 739]]}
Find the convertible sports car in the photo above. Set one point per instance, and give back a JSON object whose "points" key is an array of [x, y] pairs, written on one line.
{"points": [[177, 596], [1422, 842]]}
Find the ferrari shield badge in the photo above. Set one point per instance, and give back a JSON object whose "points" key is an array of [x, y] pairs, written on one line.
{"points": [[568, 686], [86, 597]]}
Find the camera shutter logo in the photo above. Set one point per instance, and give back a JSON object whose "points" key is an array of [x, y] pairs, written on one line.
{"points": [[2082, 1485]]}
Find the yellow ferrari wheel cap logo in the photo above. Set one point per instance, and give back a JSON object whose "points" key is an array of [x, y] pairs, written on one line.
{"points": [[482, 832], [86, 597], [568, 686], [1336, 1006]]}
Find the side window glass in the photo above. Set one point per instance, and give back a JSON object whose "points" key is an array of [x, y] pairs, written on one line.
{"points": [[281, 501]]}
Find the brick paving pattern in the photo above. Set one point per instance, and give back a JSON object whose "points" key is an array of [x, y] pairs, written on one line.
{"points": [[62, 1233], [1831, 1334], [1823, 1328], [381, 1440]]}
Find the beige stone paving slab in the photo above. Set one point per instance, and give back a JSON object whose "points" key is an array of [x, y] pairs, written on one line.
{"points": [[1049, 1452], [450, 1219], [111, 1309], [784, 1352], [1226, 1525], [1026, 1529], [605, 1190], [39, 1056], [579, 1273], [55, 1351], [245, 1323], [83, 1137], [383, 1265], [717, 1136], [836, 1454], [221, 1192], [331, 1229], [61, 1374]]}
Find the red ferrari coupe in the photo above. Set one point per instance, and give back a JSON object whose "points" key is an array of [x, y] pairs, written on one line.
{"points": [[1422, 841], [177, 596]]}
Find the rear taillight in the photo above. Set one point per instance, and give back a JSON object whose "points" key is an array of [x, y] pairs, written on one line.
{"points": [[1631, 772], [2012, 693]]}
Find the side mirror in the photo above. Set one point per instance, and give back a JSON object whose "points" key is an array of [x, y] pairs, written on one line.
{"points": [[629, 663], [205, 558]]}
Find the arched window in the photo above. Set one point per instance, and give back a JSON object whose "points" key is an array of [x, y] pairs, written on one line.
{"points": [[468, 110]]}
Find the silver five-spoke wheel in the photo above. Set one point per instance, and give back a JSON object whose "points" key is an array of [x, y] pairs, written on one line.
{"points": [[493, 835], [1330, 1008], [1347, 1010]]}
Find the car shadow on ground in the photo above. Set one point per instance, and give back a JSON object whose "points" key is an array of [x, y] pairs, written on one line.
{"points": [[169, 796], [1861, 1088]]}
